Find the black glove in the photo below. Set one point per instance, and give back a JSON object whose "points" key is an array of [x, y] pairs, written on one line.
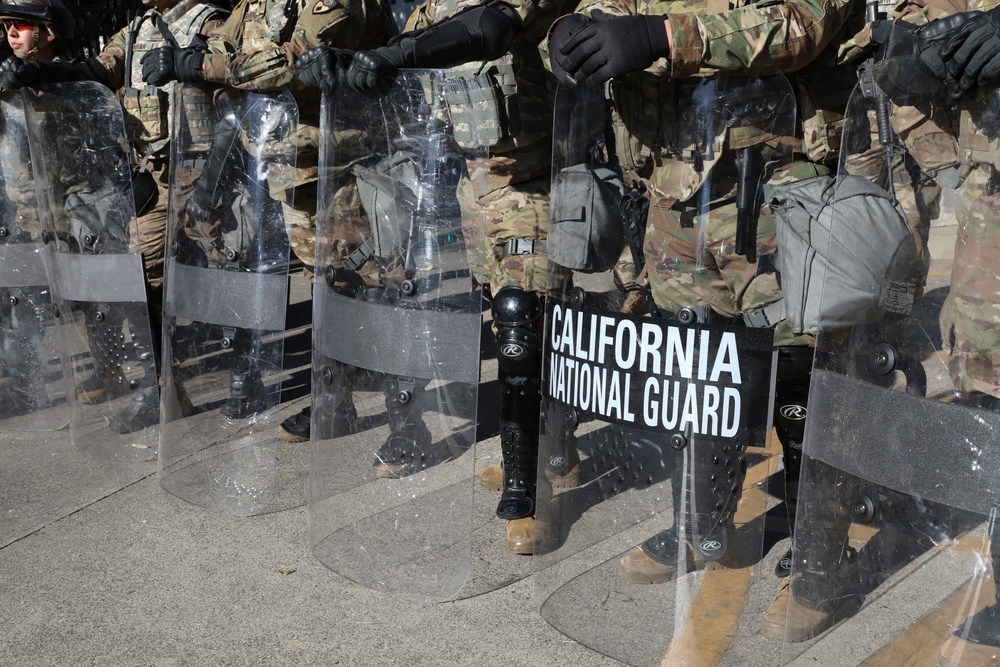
{"points": [[971, 46], [910, 66], [200, 206], [170, 63], [560, 34], [611, 45], [16, 73], [323, 67], [374, 70]]}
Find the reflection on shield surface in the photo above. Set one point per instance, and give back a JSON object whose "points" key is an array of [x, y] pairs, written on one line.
{"points": [[397, 322], [81, 167], [233, 173], [668, 412]]}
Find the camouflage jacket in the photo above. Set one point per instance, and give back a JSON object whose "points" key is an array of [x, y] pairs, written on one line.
{"points": [[146, 108], [522, 149], [797, 37], [256, 50]]}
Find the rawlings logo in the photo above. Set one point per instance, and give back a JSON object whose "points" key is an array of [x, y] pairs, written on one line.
{"points": [[512, 350], [710, 545], [794, 412], [557, 461], [517, 380]]}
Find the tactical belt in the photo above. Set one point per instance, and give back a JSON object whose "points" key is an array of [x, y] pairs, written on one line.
{"points": [[760, 318], [523, 246]]}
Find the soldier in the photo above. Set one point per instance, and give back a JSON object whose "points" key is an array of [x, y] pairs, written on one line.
{"points": [[649, 54], [256, 50], [183, 22], [35, 32], [501, 40], [944, 86]]}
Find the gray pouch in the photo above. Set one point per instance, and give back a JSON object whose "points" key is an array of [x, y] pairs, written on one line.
{"points": [[845, 252], [585, 225]]}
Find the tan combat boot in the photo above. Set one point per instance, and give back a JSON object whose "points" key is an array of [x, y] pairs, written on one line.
{"points": [[789, 620], [637, 567], [521, 536]]}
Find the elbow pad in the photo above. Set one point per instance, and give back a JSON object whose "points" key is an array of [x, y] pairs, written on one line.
{"points": [[484, 32]]}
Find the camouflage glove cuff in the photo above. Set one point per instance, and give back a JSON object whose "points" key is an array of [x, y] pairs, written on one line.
{"points": [[611, 45], [374, 70], [323, 67]]}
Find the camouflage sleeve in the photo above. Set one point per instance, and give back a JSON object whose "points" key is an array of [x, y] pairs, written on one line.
{"points": [[786, 36], [272, 67], [112, 60]]}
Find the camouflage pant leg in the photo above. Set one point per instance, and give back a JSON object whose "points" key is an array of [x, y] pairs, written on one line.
{"points": [[969, 319], [153, 232], [691, 258], [519, 210], [300, 221], [344, 230]]}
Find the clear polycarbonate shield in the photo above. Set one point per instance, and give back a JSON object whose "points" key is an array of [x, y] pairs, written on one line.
{"points": [[232, 181], [396, 333], [894, 562], [669, 411], [32, 391], [81, 165]]}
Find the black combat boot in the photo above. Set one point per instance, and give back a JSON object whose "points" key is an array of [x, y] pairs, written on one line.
{"points": [[408, 448], [706, 481]]}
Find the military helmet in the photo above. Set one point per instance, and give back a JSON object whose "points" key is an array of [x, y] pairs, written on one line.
{"points": [[53, 14]]}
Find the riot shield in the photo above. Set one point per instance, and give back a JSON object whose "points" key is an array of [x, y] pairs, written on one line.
{"points": [[81, 165], [894, 562], [32, 391], [396, 332], [669, 413], [232, 172]]}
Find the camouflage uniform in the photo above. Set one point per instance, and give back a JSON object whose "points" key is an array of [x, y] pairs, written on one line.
{"points": [[256, 50], [684, 271], [147, 116], [516, 200]]}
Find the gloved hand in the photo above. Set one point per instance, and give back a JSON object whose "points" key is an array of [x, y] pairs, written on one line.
{"points": [[199, 207], [323, 67], [170, 63], [971, 46], [374, 70], [561, 32], [16, 73], [610, 45], [910, 66]]}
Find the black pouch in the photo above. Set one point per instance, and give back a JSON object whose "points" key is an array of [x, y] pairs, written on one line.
{"points": [[143, 189]]}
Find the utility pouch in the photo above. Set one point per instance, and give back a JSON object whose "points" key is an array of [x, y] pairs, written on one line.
{"points": [[586, 232]]}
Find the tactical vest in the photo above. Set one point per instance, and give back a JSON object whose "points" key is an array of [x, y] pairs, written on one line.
{"points": [[501, 104], [147, 108], [268, 22]]}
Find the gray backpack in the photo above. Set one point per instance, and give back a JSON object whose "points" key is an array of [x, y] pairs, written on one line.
{"points": [[846, 242]]}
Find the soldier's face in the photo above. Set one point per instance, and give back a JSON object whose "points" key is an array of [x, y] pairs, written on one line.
{"points": [[21, 38]]}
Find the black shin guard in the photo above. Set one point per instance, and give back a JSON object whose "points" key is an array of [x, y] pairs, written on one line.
{"points": [[516, 315]]}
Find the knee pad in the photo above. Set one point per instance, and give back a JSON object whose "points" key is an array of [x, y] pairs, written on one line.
{"points": [[516, 314]]}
